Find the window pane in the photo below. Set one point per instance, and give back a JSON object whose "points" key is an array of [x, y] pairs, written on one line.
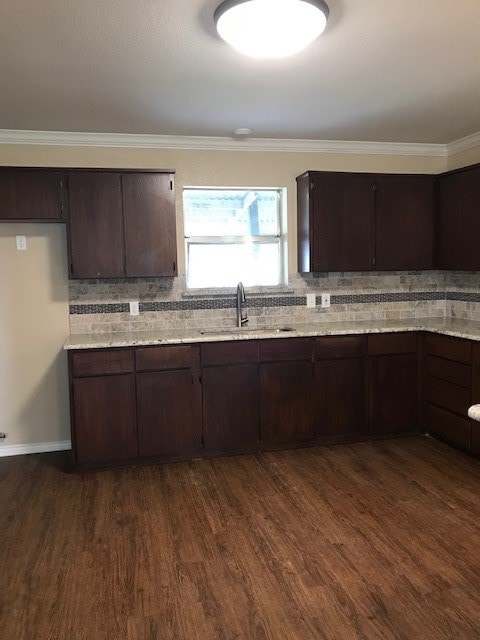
{"points": [[229, 212], [223, 265]]}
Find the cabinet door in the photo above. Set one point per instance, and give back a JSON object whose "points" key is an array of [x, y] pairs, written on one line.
{"points": [[343, 225], [393, 394], [230, 408], [404, 223], [286, 403], [166, 413], [150, 225], [459, 220], [31, 194], [340, 399], [104, 419], [96, 225]]}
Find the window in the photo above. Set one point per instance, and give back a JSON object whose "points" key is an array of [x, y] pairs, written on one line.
{"points": [[233, 235]]}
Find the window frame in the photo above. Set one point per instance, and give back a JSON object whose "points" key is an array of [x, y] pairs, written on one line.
{"points": [[280, 239]]}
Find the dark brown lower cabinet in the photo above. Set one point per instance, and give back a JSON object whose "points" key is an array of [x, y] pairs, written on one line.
{"points": [[393, 385], [104, 418], [447, 386], [166, 414], [286, 404], [340, 388], [230, 409], [341, 399]]}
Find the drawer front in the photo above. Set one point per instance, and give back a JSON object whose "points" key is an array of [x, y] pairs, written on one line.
{"points": [[218, 353], [278, 350], [390, 343], [451, 348], [92, 363], [333, 347], [448, 396], [447, 425], [163, 358], [448, 370]]}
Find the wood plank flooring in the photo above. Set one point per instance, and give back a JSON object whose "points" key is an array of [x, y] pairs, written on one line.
{"points": [[365, 541]]}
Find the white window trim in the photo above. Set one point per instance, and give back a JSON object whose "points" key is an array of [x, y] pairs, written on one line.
{"points": [[280, 239]]}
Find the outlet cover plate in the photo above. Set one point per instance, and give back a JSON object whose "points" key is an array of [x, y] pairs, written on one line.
{"points": [[325, 300]]}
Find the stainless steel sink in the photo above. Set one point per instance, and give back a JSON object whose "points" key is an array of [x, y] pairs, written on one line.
{"points": [[234, 330]]}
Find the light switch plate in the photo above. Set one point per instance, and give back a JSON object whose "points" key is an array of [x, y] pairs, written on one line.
{"points": [[134, 308], [325, 300], [311, 302], [21, 243]]}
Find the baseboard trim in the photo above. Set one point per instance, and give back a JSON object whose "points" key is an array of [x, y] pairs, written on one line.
{"points": [[34, 447]]}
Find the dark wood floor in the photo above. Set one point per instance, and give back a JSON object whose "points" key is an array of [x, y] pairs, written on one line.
{"points": [[372, 540]]}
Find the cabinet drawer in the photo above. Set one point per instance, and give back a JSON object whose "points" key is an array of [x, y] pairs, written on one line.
{"points": [[447, 425], [218, 353], [91, 363], [278, 350], [447, 395], [390, 343], [333, 347], [162, 358], [451, 348], [448, 370]]}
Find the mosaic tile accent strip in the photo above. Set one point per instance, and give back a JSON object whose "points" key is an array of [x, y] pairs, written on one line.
{"points": [[463, 296], [266, 302]]}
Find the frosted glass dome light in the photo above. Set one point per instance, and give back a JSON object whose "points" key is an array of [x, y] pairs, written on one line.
{"points": [[270, 28]]}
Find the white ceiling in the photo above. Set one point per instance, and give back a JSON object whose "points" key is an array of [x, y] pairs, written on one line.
{"points": [[384, 70]]}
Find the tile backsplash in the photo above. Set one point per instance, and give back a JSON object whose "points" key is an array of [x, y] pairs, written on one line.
{"points": [[99, 306]]}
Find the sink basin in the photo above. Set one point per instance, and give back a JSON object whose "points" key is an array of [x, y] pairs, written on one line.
{"points": [[233, 330]]}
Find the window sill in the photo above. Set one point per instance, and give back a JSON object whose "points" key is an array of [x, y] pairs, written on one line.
{"points": [[228, 292]]}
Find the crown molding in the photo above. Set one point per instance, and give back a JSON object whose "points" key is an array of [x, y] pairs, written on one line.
{"points": [[463, 144], [144, 141]]}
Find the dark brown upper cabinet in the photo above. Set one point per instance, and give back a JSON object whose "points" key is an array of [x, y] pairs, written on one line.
{"points": [[150, 226], [121, 224], [458, 224], [32, 194], [336, 213], [96, 239], [364, 222], [404, 222]]}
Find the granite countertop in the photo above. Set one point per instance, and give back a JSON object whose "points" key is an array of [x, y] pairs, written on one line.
{"points": [[456, 328]]}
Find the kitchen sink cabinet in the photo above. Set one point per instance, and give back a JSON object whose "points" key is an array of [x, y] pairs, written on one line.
{"points": [[230, 394], [393, 384], [32, 194], [168, 401], [364, 222], [121, 224], [103, 407], [458, 223], [287, 415], [340, 388]]}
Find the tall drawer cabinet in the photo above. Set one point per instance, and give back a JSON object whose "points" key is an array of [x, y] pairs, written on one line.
{"points": [[448, 388]]}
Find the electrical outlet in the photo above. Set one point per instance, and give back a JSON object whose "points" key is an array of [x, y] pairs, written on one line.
{"points": [[325, 300], [21, 243], [134, 308], [311, 302]]}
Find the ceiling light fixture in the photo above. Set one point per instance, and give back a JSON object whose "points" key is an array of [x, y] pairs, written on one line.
{"points": [[270, 28]]}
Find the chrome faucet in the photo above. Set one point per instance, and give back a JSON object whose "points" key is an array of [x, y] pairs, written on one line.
{"points": [[241, 311]]}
